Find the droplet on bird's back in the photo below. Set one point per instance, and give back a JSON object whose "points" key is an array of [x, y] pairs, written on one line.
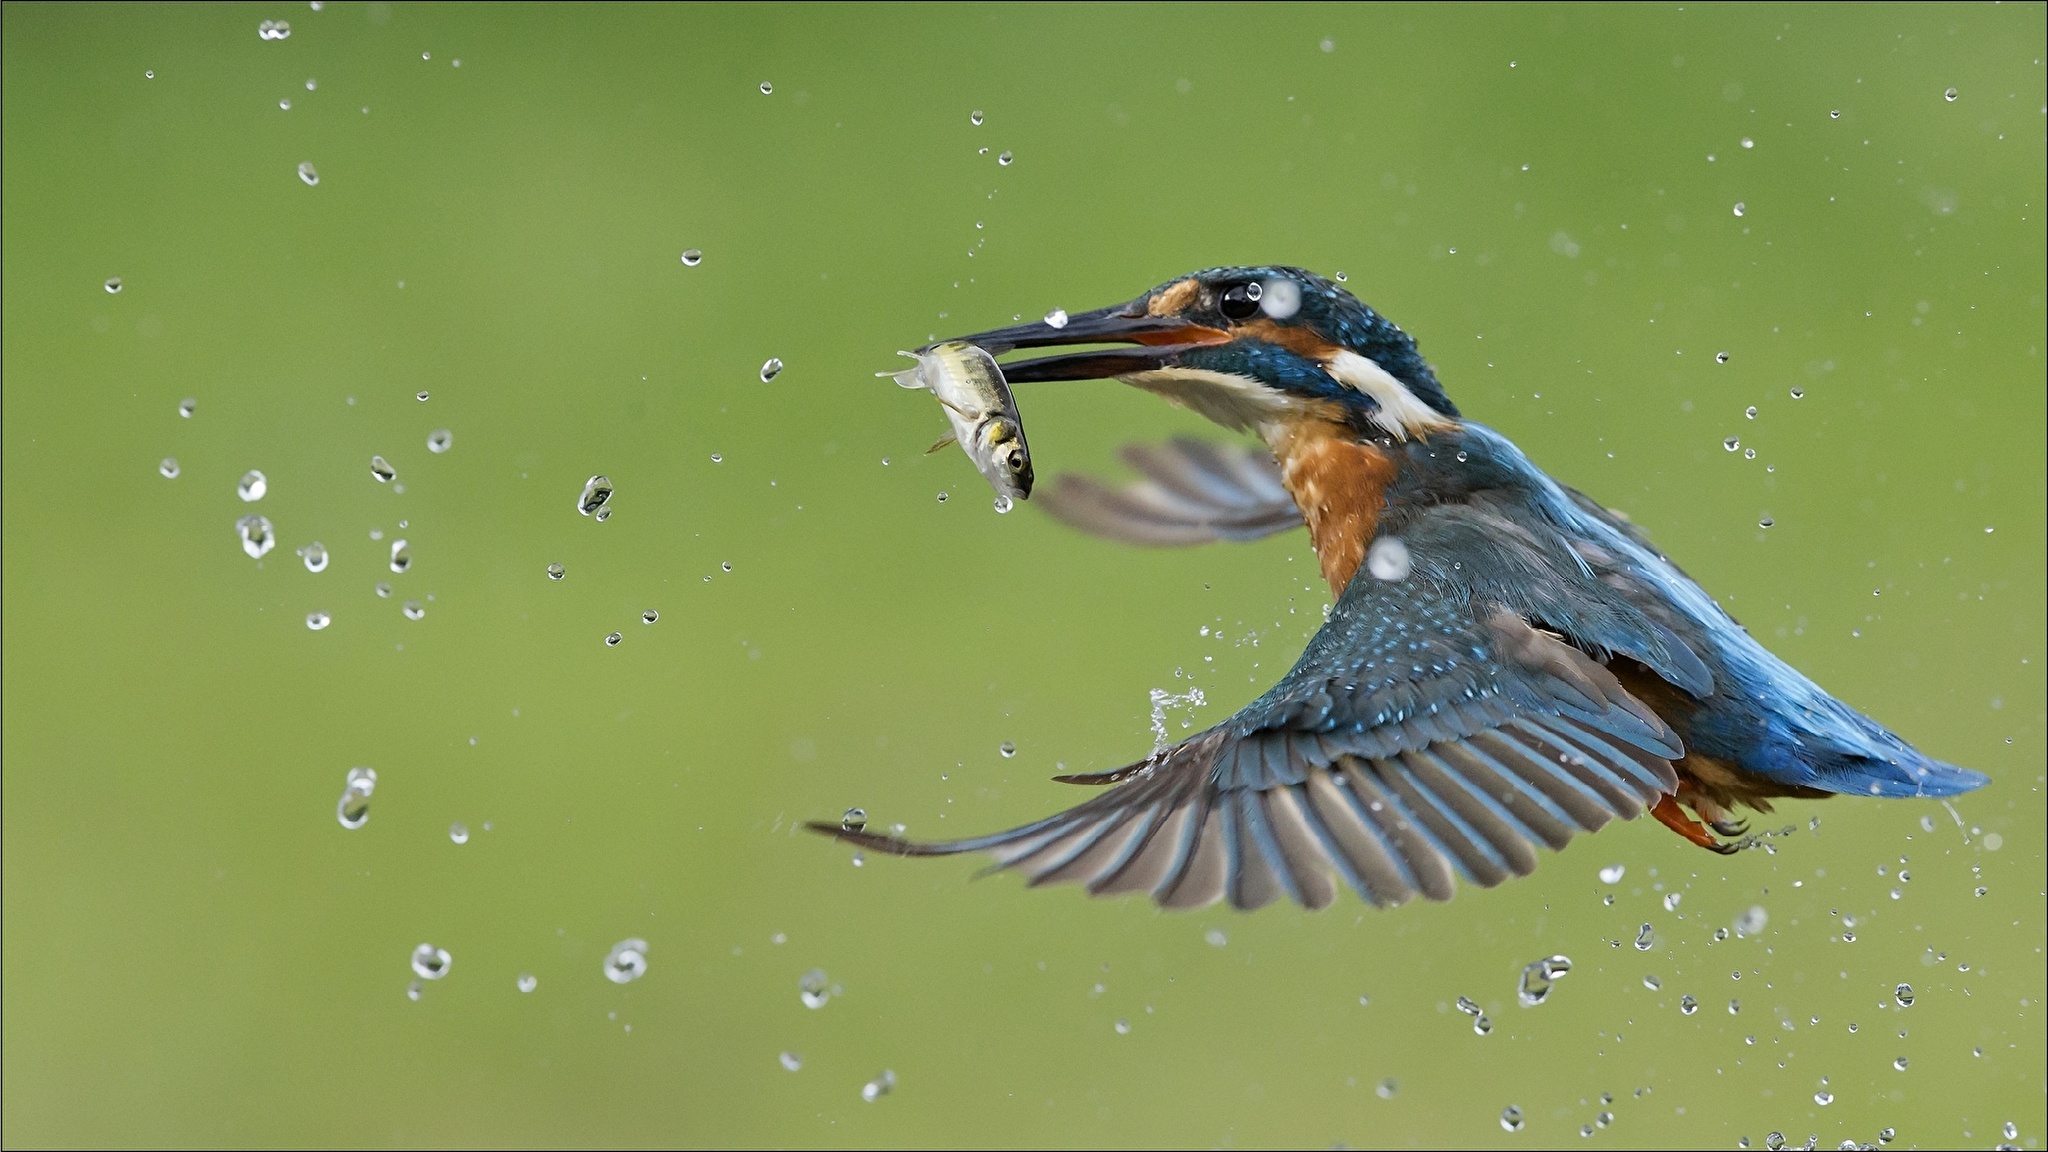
{"points": [[252, 486], [382, 469], [626, 962], [256, 534], [771, 369], [430, 962], [597, 491], [1388, 559]]}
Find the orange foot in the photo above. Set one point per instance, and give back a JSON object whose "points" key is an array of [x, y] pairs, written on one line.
{"points": [[1669, 814]]}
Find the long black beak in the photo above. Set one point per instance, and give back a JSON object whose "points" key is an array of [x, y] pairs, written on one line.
{"points": [[1161, 338]]}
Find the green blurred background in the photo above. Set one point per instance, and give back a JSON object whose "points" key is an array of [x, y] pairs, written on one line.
{"points": [[1574, 210]]}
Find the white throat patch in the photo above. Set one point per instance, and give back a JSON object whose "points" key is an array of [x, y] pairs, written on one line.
{"points": [[1400, 413]]}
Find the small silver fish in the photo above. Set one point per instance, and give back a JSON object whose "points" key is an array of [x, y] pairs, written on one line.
{"points": [[969, 386]]}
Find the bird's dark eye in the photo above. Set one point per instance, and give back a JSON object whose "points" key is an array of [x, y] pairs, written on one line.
{"points": [[1240, 301]]}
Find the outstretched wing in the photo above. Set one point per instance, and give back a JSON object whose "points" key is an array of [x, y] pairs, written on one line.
{"points": [[1425, 733], [1194, 492]]}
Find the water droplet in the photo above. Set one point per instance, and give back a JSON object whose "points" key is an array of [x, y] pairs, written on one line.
{"points": [[1798, 393], [1057, 318], [1766, 522], [1005, 159], [1950, 95], [879, 1087], [649, 616], [767, 89], [1981, 891], [854, 820], [771, 369], [1008, 749], [942, 497], [1652, 983], [556, 571], [1482, 1025], [149, 73], [790, 1062], [1603, 1119], [1904, 995], [187, 407], [692, 257], [597, 492], [626, 962], [1775, 1142], [315, 556], [1538, 978], [1823, 1097], [413, 609], [601, 515], [1735, 1006], [459, 832], [252, 486], [1748, 143], [1671, 901], [717, 458], [401, 556], [1388, 559], [1739, 209], [1720, 357], [284, 105], [1688, 1005], [382, 469], [440, 440], [1749, 412], [257, 537], [1468, 1006], [169, 467], [975, 117], [1751, 922], [316, 620], [527, 982], [726, 564], [612, 641], [1613, 873], [430, 962], [311, 84], [421, 396], [413, 990], [273, 30], [308, 173], [383, 590], [1731, 443], [113, 284], [814, 988], [1003, 504], [1749, 453], [1644, 939]]}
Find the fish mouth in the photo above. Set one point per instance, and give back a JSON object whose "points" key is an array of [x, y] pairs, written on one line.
{"points": [[1161, 341]]}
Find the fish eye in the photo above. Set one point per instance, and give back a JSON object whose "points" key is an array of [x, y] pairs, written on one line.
{"points": [[1240, 301], [1016, 461]]}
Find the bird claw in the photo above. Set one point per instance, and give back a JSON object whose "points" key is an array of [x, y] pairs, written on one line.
{"points": [[1669, 814], [1732, 829]]}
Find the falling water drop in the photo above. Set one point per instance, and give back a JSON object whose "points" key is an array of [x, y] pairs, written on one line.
{"points": [[814, 988], [256, 534], [1950, 95], [692, 257], [975, 117], [307, 173], [440, 440], [279, 30], [626, 962], [771, 369], [401, 556], [382, 469], [430, 962], [1005, 159], [1644, 939], [767, 89], [597, 491], [1731, 443], [252, 486], [169, 467], [413, 610], [316, 620]]}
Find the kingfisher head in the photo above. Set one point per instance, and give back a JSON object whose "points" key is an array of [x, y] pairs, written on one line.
{"points": [[1253, 348]]}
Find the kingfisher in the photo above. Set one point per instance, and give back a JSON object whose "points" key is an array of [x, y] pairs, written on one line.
{"points": [[1506, 662]]}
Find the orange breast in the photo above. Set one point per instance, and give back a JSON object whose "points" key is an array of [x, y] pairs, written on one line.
{"points": [[1340, 486]]}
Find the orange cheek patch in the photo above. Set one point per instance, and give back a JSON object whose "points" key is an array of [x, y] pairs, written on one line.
{"points": [[1299, 341]]}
